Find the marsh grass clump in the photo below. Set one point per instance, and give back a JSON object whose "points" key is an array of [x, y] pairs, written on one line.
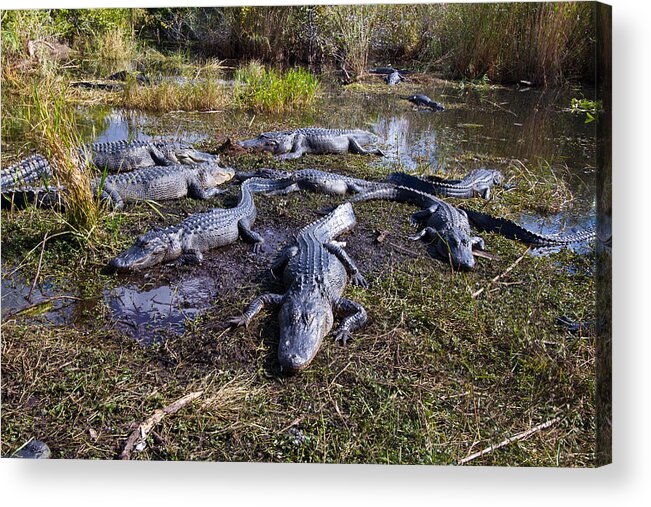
{"points": [[55, 123], [203, 95], [269, 90]]}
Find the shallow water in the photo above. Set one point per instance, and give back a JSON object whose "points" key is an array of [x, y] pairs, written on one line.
{"points": [[488, 128]]}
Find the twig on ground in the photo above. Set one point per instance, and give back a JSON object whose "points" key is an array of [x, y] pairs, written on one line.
{"points": [[507, 441], [139, 435], [38, 269], [497, 278]]}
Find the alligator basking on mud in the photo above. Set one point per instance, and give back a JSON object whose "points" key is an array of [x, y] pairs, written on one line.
{"points": [[421, 100], [445, 225], [27, 170], [125, 155], [315, 272], [511, 230], [157, 183], [477, 182], [35, 449], [198, 233], [394, 78], [314, 180], [293, 144]]}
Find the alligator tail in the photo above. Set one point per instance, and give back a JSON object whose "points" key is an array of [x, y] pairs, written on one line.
{"points": [[511, 230]]}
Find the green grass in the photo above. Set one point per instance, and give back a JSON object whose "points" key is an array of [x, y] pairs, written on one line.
{"points": [[269, 90]]}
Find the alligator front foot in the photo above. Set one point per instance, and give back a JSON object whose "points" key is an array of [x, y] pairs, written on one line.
{"points": [[258, 247], [359, 280], [235, 322], [343, 336]]}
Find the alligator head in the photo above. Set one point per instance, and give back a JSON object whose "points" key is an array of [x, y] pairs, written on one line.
{"points": [[184, 153], [149, 249], [455, 246], [273, 142], [213, 175], [305, 319]]}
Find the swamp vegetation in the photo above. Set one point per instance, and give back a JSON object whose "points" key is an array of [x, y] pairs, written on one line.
{"points": [[450, 362]]}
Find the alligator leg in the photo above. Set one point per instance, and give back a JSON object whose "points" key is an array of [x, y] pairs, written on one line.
{"points": [[297, 149], [282, 259], [251, 236], [423, 214], [356, 278], [158, 157], [355, 147], [294, 187], [478, 242], [351, 322], [254, 308], [110, 195], [196, 190], [425, 233], [192, 257]]}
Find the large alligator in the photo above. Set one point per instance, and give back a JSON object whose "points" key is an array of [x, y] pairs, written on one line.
{"points": [[198, 233], [314, 180], [293, 144], [445, 225], [27, 170], [125, 155], [477, 182], [156, 183], [315, 272], [511, 230], [421, 100]]}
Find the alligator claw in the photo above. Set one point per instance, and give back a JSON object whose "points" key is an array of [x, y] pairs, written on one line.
{"points": [[359, 280], [235, 322], [258, 248], [343, 337]]}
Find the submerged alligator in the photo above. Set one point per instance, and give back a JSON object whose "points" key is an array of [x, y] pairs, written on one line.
{"points": [[315, 272], [198, 233], [445, 225], [156, 183], [421, 100], [293, 144], [477, 182], [27, 170], [314, 180], [511, 230]]}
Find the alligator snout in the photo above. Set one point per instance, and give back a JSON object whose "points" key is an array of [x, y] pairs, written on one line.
{"points": [[292, 363]]}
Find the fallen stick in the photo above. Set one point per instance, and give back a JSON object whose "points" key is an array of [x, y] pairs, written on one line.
{"points": [[496, 279], [507, 441], [139, 435], [38, 270]]}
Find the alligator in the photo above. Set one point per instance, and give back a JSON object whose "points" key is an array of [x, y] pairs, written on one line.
{"points": [[27, 170], [315, 272], [199, 232], [424, 101], [394, 78], [293, 144], [445, 225], [155, 183], [34, 449], [314, 180], [125, 155], [477, 182], [511, 230], [388, 70]]}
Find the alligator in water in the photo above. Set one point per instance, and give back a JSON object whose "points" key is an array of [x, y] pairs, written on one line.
{"points": [[27, 170], [198, 233], [125, 155], [477, 182], [156, 183], [421, 100], [314, 180], [293, 144], [511, 230], [315, 272], [445, 225]]}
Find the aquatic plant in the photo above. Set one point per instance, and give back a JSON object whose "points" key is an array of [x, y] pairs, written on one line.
{"points": [[269, 90]]}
